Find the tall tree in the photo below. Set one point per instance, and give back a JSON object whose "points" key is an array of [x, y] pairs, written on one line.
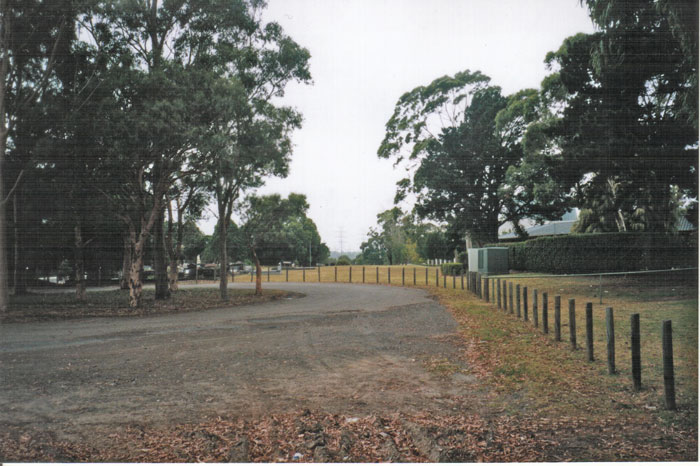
{"points": [[628, 130], [249, 137], [34, 34], [264, 218], [457, 155], [165, 71], [457, 182]]}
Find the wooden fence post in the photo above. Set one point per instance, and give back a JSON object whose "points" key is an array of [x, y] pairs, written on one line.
{"points": [[377, 274], [403, 276], [478, 284], [498, 286], [414, 275], [505, 296], [545, 314], [454, 281], [557, 318], [363, 274], [303, 274], [572, 323], [669, 382], [610, 334], [510, 297], [517, 301], [437, 271], [286, 275], [535, 315], [318, 273], [487, 296], [350, 276], [461, 278], [444, 281], [636, 352], [388, 273], [589, 330], [268, 274], [335, 271], [426, 276], [525, 303]]}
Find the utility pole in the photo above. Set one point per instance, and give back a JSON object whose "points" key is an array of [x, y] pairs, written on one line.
{"points": [[340, 236]]}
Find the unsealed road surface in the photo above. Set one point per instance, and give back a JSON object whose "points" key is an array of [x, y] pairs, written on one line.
{"points": [[351, 349]]}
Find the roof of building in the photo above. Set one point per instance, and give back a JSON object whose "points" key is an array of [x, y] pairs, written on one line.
{"points": [[685, 225], [563, 227]]}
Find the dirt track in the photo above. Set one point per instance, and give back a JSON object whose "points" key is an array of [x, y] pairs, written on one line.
{"points": [[342, 348]]}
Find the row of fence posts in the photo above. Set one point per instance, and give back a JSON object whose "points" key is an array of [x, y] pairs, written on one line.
{"points": [[501, 293]]}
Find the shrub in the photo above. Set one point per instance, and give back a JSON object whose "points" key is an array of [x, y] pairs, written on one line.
{"points": [[463, 258], [452, 268], [343, 260], [602, 252]]}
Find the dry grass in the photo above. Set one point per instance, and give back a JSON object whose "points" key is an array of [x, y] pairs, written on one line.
{"points": [[382, 275], [534, 374]]}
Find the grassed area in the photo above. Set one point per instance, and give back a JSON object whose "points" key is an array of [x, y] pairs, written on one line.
{"points": [[54, 306], [535, 376], [395, 275]]}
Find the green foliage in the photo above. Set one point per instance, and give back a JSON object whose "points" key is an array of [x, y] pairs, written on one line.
{"points": [[452, 268], [343, 260], [434, 245], [602, 252], [627, 130], [463, 258], [277, 229]]}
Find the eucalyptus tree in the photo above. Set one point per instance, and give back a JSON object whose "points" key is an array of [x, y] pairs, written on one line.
{"points": [[249, 137], [528, 190], [34, 35], [263, 222], [185, 202], [166, 59], [448, 131]]}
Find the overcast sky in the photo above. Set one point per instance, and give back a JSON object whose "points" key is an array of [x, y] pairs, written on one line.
{"points": [[364, 55]]}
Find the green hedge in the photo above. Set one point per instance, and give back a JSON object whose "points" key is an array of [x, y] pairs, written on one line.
{"points": [[603, 252], [452, 268]]}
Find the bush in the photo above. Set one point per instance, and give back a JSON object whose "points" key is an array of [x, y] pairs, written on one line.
{"points": [[602, 252], [343, 260], [463, 258], [452, 268]]}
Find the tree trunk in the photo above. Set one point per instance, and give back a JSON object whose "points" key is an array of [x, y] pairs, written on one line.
{"points": [[4, 66], [135, 272], [159, 259], [20, 279], [258, 274], [172, 274], [223, 259], [80, 293], [126, 264], [4, 295], [173, 253]]}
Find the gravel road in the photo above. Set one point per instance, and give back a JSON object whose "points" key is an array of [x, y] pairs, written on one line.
{"points": [[352, 349]]}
